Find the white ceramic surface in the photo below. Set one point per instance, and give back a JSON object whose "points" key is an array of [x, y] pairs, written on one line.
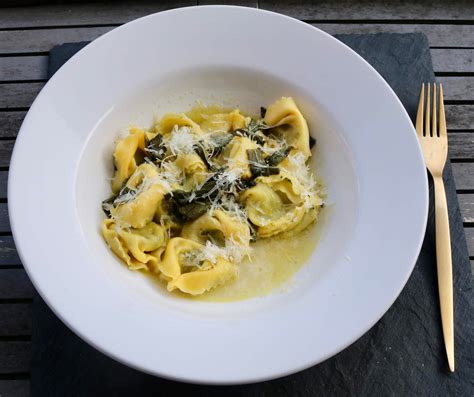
{"points": [[369, 242]]}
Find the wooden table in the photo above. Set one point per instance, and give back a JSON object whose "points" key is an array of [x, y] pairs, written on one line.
{"points": [[28, 33]]}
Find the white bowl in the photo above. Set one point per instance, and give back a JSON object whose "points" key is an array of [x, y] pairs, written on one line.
{"points": [[367, 153]]}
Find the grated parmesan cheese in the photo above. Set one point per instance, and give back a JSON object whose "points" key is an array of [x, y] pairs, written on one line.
{"points": [[180, 140]]}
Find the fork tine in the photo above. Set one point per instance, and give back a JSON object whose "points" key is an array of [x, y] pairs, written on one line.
{"points": [[419, 114], [434, 129], [442, 116], [427, 112]]}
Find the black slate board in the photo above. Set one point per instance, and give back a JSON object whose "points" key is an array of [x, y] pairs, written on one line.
{"points": [[403, 354]]}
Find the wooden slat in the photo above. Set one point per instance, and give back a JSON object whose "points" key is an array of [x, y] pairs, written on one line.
{"points": [[458, 88], [460, 117], [42, 40], [23, 68], [4, 221], [461, 145], [35, 67], [3, 184], [6, 148], [371, 10], [10, 122], [8, 253], [438, 35], [470, 239], [463, 175], [18, 95], [15, 319], [104, 13], [15, 357], [15, 284], [453, 60], [31, 41], [15, 388], [244, 3], [466, 203], [83, 14]]}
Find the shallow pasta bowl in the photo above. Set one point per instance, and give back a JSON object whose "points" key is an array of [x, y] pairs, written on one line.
{"points": [[369, 239]]}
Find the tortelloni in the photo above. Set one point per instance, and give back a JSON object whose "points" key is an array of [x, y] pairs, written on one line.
{"points": [[139, 248], [194, 192], [285, 115], [187, 267]]}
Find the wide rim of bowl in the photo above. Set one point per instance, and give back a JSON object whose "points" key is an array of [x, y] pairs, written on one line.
{"points": [[23, 246]]}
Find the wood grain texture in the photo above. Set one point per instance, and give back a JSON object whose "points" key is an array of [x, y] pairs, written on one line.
{"points": [[244, 3], [33, 41], [21, 95], [103, 13], [371, 10], [460, 117], [469, 231], [15, 357], [458, 88], [15, 284], [15, 319], [8, 253], [18, 95], [461, 145], [10, 122], [35, 67], [463, 175], [466, 203], [453, 60], [6, 148], [97, 13], [438, 35], [4, 221], [15, 388], [23, 68], [3, 184], [42, 40]]}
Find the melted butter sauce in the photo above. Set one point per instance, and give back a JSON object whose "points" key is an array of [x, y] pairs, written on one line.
{"points": [[273, 262]]}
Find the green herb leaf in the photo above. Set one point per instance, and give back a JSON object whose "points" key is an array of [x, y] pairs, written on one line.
{"points": [[155, 149], [194, 210], [219, 142], [202, 154], [258, 166], [278, 156], [254, 131], [107, 204]]}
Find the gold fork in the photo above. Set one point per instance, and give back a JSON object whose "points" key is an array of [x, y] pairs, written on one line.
{"points": [[434, 142]]}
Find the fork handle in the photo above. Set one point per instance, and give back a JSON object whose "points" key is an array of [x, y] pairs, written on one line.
{"points": [[444, 268]]}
